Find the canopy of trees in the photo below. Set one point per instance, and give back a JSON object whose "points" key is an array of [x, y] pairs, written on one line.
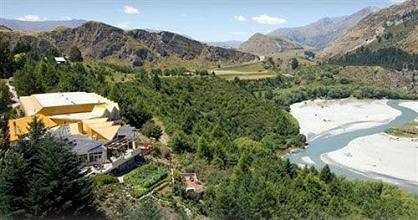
{"points": [[387, 57], [263, 187]]}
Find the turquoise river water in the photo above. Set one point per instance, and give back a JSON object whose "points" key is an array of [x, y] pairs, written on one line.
{"points": [[327, 143]]}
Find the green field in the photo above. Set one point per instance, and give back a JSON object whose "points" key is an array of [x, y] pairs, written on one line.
{"points": [[245, 72]]}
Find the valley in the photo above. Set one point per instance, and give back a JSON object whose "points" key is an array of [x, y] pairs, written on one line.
{"points": [[150, 111]]}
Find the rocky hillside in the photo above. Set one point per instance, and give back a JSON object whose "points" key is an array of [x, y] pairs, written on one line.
{"points": [[38, 26], [4, 28], [264, 45], [101, 41], [319, 34], [395, 27]]}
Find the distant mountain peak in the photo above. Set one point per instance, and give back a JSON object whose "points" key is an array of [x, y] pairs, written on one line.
{"points": [[261, 44], [39, 26], [322, 32], [395, 26], [226, 44]]}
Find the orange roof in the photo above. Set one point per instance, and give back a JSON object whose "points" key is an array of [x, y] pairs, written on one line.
{"points": [[20, 126]]}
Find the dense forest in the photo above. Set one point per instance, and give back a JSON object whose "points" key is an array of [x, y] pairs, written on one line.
{"points": [[232, 132], [388, 57]]}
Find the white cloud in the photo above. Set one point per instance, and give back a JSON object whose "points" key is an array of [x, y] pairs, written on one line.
{"points": [[31, 18], [265, 19], [130, 9], [240, 18], [397, 1]]}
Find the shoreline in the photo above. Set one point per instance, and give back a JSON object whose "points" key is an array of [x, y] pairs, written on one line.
{"points": [[333, 117], [374, 155], [371, 175], [381, 154]]}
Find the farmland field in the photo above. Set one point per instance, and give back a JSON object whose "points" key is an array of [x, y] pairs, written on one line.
{"points": [[245, 72]]}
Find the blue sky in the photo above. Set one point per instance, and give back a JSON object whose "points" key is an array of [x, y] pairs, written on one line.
{"points": [[204, 20]]}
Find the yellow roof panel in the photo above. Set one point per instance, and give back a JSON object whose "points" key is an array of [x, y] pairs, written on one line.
{"points": [[20, 126], [107, 132]]}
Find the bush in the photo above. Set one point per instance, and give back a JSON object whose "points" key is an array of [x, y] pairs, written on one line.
{"points": [[151, 130], [101, 180]]}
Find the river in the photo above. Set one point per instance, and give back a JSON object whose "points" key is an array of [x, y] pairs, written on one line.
{"points": [[327, 143]]}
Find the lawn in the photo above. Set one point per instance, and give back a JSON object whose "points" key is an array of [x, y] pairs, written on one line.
{"points": [[145, 177]]}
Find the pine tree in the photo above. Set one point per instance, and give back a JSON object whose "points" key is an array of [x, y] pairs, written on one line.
{"points": [[294, 63], [58, 187], [41, 177], [5, 59], [5, 98], [13, 184], [75, 54], [4, 135], [156, 81], [325, 174]]}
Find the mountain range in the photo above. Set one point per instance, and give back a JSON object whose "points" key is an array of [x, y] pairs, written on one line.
{"points": [[314, 36], [226, 44], [101, 41], [396, 27], [320, 33], [39, 26]]}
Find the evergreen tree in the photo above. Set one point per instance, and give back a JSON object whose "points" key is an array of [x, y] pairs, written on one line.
{"points": [[14, 187], [27, 80], [150, 129], [75, 54], [326, 175], [156, 82], [5, 98], [21, 47], [58, 188], [269, 94], [5, 59], [294, 63], [203, 150], [4, 136], [41, 178], [136, 114]]}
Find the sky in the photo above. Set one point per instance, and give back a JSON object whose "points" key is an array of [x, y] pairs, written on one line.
{"points": [[204, 20]]}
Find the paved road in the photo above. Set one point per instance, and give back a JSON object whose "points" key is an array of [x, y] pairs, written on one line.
{"points": [[12, 89]]}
